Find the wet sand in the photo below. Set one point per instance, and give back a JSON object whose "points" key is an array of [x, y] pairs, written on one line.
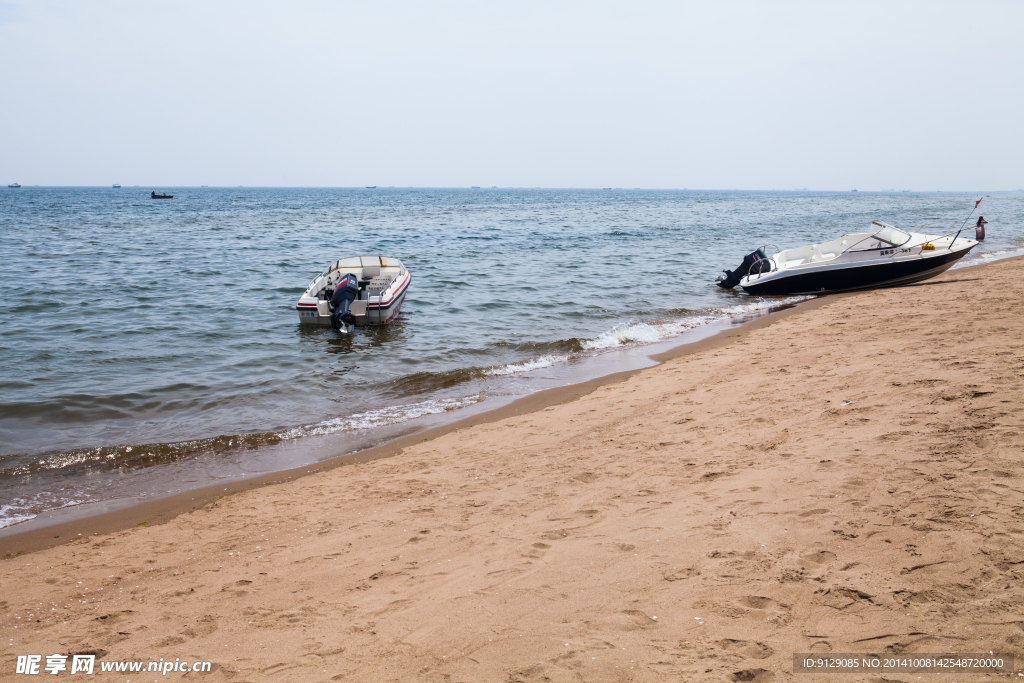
{"points": [[846, 478]]}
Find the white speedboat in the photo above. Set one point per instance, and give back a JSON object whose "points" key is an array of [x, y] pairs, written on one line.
{"points": [[357, 290], [884, 257]]}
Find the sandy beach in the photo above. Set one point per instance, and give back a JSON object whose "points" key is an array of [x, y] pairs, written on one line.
{"points": [[846, 478]]}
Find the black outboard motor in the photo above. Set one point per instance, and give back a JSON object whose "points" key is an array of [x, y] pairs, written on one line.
{"points": [[344, 294], [732, 277]]}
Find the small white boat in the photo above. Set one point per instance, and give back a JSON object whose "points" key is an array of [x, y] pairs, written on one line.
{"points": [[356, 290], [884, 257], [14, 185]]}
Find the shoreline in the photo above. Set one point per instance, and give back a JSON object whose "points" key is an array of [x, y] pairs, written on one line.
{"points": [[160, 510]]}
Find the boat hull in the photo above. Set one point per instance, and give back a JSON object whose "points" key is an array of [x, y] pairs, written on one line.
{"points": [[366, 313], [856, 277]]}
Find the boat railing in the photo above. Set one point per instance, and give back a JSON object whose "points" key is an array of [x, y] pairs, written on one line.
{"points": [[952, 241], [758, 266], [759, 263], [933, 238]]}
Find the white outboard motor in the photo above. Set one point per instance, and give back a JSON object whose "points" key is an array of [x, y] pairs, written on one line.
{"points": [[344, 294]]}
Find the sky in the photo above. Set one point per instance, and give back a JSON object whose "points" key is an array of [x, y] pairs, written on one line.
{"points": [[717, 95]]}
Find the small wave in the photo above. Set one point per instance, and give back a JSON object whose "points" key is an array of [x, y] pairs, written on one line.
{"points": [[625, 333], [424, 382], [973, 259], [9, 516], [127, 457], [759, 305], [380, 417], [525, 366], [556, 347], [640, 333]]}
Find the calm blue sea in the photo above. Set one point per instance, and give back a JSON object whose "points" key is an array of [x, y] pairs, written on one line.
{"points": [[140, 338]]}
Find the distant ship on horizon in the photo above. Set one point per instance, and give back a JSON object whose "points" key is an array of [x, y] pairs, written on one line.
{"points": [[371, 187], [14, 185], [116, 186]]}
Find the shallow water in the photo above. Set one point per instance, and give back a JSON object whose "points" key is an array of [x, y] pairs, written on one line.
{"points": [[140, 336]]}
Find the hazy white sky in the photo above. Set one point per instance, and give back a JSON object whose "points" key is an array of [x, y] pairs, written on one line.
{"points": [[754, 95]]}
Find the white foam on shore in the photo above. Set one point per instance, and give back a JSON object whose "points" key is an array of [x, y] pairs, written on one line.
{"points": [[9, 518], [650, 333], [381, 417], [18, 511], [525, 366], [977, 259]]}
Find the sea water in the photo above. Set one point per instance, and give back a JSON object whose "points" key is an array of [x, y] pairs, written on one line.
{"points": [[152, 346]]}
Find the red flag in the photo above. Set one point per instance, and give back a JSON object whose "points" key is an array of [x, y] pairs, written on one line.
{"points": [[977, 202]]}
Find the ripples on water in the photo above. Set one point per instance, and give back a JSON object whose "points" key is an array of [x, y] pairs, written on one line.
{"points": [[138, 333]]}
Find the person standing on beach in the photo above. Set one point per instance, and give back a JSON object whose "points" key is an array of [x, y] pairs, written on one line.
{"points": [[979, 229]]}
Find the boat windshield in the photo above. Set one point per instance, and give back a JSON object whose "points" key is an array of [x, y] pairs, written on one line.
{"points": [[887, 236]]}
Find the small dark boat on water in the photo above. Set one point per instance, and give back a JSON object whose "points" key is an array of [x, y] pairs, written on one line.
{"points": [[154, 195]]}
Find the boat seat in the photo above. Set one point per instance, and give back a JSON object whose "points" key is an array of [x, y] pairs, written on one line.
{"points": [[817, 256]]}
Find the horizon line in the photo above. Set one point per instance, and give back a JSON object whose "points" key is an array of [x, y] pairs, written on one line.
{"points": [[503, 187]]}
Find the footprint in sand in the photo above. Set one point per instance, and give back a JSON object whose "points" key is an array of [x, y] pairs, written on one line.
{"points": [[756, 602], [638, 619], [752, 676], [746, 648], [172, 640], [767, 609], [841, 598], [681, 574], [820, 557], [556, 535], [821, 646]]}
